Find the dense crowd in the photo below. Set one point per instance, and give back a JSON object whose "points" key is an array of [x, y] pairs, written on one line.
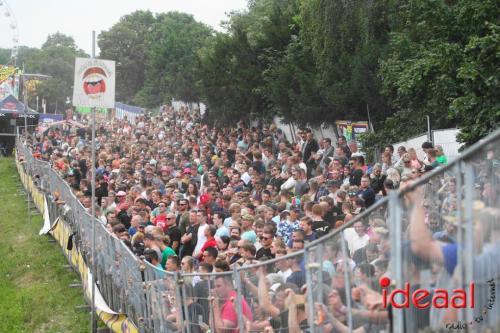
{"points": [[189, 198]]}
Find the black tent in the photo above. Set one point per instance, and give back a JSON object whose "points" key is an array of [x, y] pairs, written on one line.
{"points": [[12, 114]]}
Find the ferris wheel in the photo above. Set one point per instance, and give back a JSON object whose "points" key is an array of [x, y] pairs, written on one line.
{"points": [[8, 15]]}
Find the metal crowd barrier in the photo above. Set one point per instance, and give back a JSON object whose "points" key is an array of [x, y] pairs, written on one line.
{"points": [[342, 283]]}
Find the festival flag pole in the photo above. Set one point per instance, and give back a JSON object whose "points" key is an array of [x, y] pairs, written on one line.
{"points": [[25, 99], [94, 87], [94, 319]]}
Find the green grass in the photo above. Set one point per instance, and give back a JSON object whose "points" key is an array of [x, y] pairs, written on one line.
{"points": [[34, 286]]}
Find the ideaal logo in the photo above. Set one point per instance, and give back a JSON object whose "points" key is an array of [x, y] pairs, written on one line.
{"points": [[441, 299]]}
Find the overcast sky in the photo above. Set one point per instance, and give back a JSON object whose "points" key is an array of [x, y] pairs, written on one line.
{"points": [[38, 18]]}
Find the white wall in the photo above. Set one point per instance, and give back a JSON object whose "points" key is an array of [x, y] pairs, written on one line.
{"points": [[326, 131], [445, 138]]}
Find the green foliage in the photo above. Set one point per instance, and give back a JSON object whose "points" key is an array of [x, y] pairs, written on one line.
{"points": [[4, 56], [309, 61], [233, 67], [443, 62], [57, 59], [292, 86], [171, 65], [347, 38], [128, 44]]}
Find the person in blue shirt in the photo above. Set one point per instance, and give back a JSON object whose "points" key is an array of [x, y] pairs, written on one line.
{"points": [[446, 254], [366, 192]]}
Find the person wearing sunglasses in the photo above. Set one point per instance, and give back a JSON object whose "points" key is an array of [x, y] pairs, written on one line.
{"points": [[266, 242], [173, 232]]}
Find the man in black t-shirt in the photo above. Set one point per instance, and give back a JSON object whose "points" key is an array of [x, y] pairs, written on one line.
{"points": [[319, 226], [190, 238], [357, 164], [173, 232], [266, 240]]}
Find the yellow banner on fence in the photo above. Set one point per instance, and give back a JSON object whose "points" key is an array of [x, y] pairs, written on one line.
{"points": [[117, 322]]}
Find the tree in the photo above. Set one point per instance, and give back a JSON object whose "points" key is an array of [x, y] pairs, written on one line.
{"points": [[57, 59], [4, 56], [127, 43], [292, 86], [347, 39], [171, 64], [233, 65], [443, 62]]}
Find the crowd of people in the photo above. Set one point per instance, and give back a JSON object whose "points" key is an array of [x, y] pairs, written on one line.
{"points": [[193, 199]]}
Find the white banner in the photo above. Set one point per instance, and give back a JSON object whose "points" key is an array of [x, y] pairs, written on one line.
{"points": [[94, 83]]}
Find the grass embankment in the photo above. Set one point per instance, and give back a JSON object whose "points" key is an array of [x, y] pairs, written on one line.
{"points": [[34, 286]]}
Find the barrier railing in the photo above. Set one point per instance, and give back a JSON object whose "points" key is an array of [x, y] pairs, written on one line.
{"points": [[439, 234]]}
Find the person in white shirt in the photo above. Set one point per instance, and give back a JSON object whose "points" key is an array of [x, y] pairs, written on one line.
{"points": [[353, 146], [290, 182], [283, 266], [202, 218], [401, 152], [356, 237]]}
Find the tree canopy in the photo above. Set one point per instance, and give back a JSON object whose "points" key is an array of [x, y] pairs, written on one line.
{"points": [[127, 43], [308, 61], [55, 58]]}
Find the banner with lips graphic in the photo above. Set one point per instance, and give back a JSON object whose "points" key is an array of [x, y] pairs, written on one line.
{"points": [[94, 83]]}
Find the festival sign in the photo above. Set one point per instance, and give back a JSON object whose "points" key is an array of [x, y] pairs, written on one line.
{"points": [[94, 83], [6, 81], [351, 130], [6, 72]]}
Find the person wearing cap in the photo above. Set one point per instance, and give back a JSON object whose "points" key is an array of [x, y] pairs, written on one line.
{"points": [[333, 186], [186, 178]]}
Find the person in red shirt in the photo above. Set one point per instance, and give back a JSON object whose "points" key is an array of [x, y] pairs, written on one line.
{"points": [[224, 306], [159, 218], [210, 242]]}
